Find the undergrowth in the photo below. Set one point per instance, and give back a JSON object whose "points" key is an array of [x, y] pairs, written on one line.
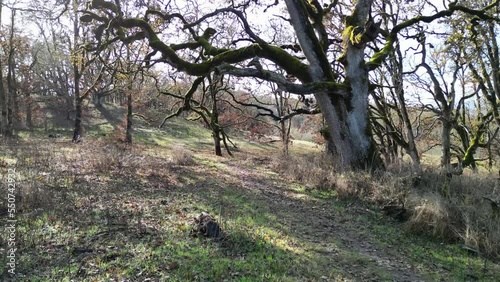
{"points": [[101, 211], [454, 210]]}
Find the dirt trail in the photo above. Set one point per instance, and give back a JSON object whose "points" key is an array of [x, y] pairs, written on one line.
{"points": [[331, 239], [329, 232]]}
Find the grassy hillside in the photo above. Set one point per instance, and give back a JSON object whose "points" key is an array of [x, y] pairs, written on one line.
{"points": [[104, 211]]}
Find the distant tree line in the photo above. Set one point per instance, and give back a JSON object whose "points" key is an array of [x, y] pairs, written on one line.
{"points": [[385, 80]]}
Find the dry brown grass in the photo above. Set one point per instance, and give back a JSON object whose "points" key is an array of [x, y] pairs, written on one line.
{"points": [[47, 171], [457, 209], [182, 156], [451, 210], [431, 216], [89, 192], [317, 170], [31, 173]]}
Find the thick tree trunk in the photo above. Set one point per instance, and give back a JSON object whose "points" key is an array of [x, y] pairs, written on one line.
{"points": [[347, 118], [357, 76]]}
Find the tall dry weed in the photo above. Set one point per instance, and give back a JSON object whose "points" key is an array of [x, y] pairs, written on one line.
{"points": [[182, 156]]}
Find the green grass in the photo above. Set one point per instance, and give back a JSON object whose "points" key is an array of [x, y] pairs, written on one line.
{"points": [[100, 212], [428, 253], [166, 252]]}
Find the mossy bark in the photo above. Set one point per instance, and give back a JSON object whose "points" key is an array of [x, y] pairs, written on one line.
{"points": [[347, 118], [468, 159], [357, 119]]}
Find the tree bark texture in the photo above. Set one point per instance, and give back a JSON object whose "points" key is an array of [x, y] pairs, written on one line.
{"points": [[347, 117]]}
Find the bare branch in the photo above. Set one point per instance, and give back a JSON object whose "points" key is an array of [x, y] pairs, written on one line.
{"points": [[334, 88]]}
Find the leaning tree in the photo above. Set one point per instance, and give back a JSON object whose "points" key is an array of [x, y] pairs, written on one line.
{"points": [[330, 56]]}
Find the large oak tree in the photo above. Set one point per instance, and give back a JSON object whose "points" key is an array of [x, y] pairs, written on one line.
{"points": [[336, 74]]}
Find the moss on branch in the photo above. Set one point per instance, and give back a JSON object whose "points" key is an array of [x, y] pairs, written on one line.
{"points": [[353, 34], [468, 158], [379, 57], [289, 63]]}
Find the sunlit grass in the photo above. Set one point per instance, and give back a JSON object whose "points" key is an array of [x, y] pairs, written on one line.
{"points": [[98, 211]]}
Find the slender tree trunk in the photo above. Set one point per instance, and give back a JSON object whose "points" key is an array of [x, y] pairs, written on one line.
{"points": [[77, 133], [217, 143], [69, 106], [4, 99], [214, 118], [284, 126], [97, 100], [29, 111], [411, 149], [10, 119], [3, 104], [397, 80], [225, 143], [128, 137], [285, 135], [10, 106], [13, 106], [216, 131], [390, 148]]}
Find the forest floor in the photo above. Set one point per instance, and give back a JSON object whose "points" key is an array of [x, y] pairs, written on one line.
{"points": [[101, 211]]}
